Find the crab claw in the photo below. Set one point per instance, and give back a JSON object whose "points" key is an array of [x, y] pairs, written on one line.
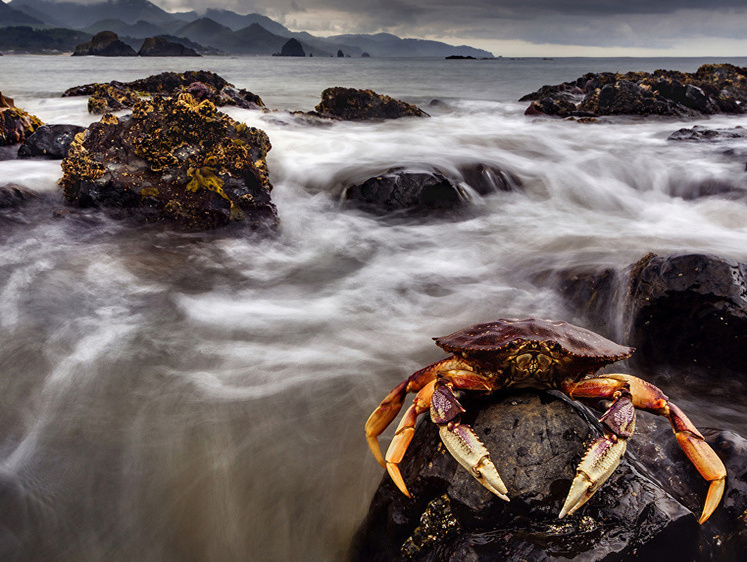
{"points": [[603, 455]]}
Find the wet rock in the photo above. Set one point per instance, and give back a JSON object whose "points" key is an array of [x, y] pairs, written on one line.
{"points": [[49, 141], [689, 309], [15, 124], [713, 88], [402, 190], [703, 134], [536, 441], [105, 44], [487, 179], [13, 196], [160, 47], [174, 160], [350, 104], [292, 48], [107, 98]]}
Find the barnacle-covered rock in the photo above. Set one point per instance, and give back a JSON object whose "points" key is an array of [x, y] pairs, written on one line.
{"points": [[177, 160], [106, 98], [351, 104], [15, 124]]}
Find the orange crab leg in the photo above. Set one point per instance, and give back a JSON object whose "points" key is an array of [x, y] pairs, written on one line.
{"points": [[651, 399], [382, 416]]}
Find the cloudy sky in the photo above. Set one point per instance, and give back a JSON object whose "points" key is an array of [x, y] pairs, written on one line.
{"points": [[521, 27]]}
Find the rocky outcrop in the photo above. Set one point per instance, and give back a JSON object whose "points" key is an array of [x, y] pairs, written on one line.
{"points": [[15, 124], [49, 141], [704, 134], [219, 91], [350, 104], [399, 190], [160, 47], [713, 88], [13, 196], [105, 44], [536, 441], [176, 160], [292, 48]]}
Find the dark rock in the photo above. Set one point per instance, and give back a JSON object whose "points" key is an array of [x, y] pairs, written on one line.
{"points": [[292, 48], [105, 44], [689, 309], [13, 196], [160, 47], [720, 88], [365, 55], [176, 160], [107, 98], [459, 57], [536, 441], [487, 179], [703, 134], [49, 141], [340, 54], [15, 124], [359, 105], [402, 190]]}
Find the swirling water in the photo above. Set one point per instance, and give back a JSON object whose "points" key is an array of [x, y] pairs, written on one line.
{"points": [[171, 396]]}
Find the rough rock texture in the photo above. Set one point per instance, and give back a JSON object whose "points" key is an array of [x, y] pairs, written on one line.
{"points": [[536, 441], [106, 98], [691, 308], [160, 47], [713, 88], [292, 48], [49, 141], [402, 190], [703, 134], [13, 196], [105, 44], [218, 90], [350, 104], [15, 124], [177, 160]]}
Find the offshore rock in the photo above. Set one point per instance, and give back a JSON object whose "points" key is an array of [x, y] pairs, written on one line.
{"points": [[175, 160], [15, 124], [49, 141], [713, 88], [292, 48], [689, 309], [536, 441], [399, 190], [160, 47], [350, 104], [105, 44], [703, 134], [221, 92]]}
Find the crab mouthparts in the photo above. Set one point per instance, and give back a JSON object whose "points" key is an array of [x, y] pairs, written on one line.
{"points": [[532, 364]]}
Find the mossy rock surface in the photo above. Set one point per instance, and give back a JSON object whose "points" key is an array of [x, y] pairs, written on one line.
{"points": [[176, 160], [16, 125]]}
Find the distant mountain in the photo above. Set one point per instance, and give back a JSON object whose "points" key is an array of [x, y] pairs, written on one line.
{"points": [[138, 30], [236, 21], [10, 16], [388, 45], [77, 16], [23, 39], [206, 32]]}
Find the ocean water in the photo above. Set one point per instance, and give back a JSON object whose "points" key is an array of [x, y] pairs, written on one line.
{"points": [[172, 396]]}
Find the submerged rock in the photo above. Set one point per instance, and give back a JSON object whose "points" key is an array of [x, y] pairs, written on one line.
{"points": [[350, 104], [402, 190], [487, 179], [49, 141], [105, 44], [713, 88], [13, 196], [703, 134], [160, 47], [536, 441], [15, 124], [177, 160]]}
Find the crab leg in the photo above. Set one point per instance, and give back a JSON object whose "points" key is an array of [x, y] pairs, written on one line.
{"points": [[382, 416], [460, 439], [604, 454], [650, 398]]}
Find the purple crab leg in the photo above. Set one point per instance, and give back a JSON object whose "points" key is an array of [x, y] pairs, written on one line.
{"points": [[462, 442], [604, 454]]}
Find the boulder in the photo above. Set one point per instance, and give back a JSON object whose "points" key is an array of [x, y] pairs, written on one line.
{"points": [[688, 309], [350, 104], [49, 141], [13, 196], [713, 88], [15, 124], [175, 160], [536, 441], [105, 44], [399, 190], [703, 134], [160, 47], [292, 48]]}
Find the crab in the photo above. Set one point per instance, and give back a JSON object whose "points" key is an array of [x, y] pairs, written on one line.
{"points": [[543, 354]]}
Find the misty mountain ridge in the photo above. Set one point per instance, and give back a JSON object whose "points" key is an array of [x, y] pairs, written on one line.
{"points": [[212, 28]]}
